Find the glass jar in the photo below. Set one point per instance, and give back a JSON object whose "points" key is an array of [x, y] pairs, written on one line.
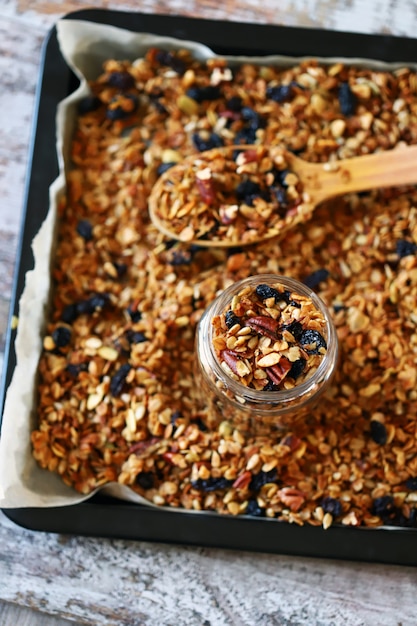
{"points": [[222, 398]]}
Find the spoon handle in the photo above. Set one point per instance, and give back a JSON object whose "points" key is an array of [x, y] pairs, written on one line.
{"points": [[384, 169]]}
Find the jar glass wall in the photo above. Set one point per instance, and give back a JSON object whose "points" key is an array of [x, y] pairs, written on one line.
{"points": [[248, 409]]}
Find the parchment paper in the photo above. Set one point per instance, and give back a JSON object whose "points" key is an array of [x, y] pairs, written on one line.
{"points": [[85, 46]]}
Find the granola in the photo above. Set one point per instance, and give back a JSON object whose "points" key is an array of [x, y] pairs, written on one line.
{"points": [[116, 391], [269, 338]]}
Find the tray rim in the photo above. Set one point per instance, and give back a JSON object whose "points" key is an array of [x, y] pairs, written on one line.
{"points": [[382, 545]]}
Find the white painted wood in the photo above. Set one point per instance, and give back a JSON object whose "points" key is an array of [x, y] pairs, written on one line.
{"points": [[107, 582]]}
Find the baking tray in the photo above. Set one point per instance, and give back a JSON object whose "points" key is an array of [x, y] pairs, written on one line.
{"points": [[106, 517]]}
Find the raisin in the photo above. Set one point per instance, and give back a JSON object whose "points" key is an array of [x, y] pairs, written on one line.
{"points": [[347, 100], [201, 425], [125, 106], [411, 483], [332, 506], [297, 368], [262, 478], [74, 369], [135, 336], [270, 386], [252, 118], [405, 248], [85, 230], [295, 328], [121, 269], [234, 104], [146, 480], [310, 336], [61, 336], [248, 190], [96, 302], [378, 432], [170, 59], [254, 509], [384, 508], [69, 313], [315, 278], [134, 314], [246, 136], [118, 379], [231, 319], [180, 257], [211, 484], [121, 80], [203, 143], [88, 105], [280, 93], [200, 94], [264, 292], [164, 167]]}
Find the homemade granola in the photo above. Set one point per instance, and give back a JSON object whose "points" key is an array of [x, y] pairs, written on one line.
{"points": [[269, 338], [116, 391], [237, 195]]}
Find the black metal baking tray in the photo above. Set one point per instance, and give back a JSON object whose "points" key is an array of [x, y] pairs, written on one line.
{"points": [[106, 517]]}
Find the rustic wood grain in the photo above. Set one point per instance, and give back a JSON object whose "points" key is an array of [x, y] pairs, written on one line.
{"points": [[107, 582]]}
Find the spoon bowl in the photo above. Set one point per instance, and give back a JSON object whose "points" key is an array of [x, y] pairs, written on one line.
{"points": [[242, 195]]}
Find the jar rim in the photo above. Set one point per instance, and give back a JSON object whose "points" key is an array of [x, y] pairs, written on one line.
{"points": [[299, 393]]}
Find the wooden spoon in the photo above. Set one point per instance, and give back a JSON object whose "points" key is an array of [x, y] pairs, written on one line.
{"points": [[196, 201]]}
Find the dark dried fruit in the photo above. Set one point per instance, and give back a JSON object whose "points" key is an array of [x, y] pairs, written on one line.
{"points": [[262, 478], [203, 142], [122, 107], [247, 191], [411, 483], [146, 480], [315, 278], [378, 432], [61, 336], [170, 59], [347, 100], [231, 319], [297, 368], [118, 379], [332, 506], [135, 337], [280, 93], [265, 292], [405, 248], [74, 369], [85, 230], [200, 94], [211, 484], [384, 508], [295, 328], [88, 105], [254, 509], [121, 80], [95, 303], [164, 167], [234, 104], [134, 313], [253, 119], [310, 337]]}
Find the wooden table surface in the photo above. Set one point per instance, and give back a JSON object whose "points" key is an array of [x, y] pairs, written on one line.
{"points": [[49, 579]]}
